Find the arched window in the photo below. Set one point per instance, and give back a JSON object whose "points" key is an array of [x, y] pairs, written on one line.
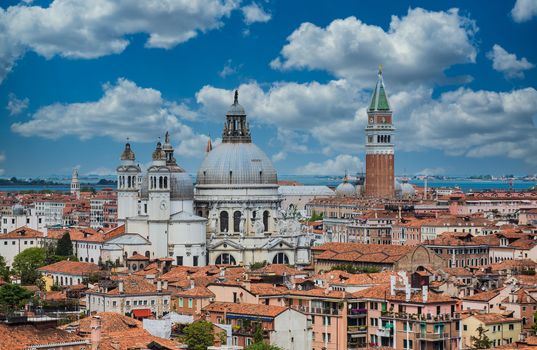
{"points": [[91, 260], [128, 181], [160, 182], [225, 259], [280, 258], [224, 221], [134, 267], [147, 254], [378, 138], [141, 266], [165, 182], [237, 221], [265, 220]]}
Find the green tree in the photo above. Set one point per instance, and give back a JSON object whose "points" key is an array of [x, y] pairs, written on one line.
{"points": [[65, 246], [262, 346], [482, 341], [258, 265], [258, 334], [198, 335], [4, 270], [13, 296], [27, 262]]}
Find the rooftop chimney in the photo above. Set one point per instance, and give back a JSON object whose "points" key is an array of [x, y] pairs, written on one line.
{"points": [[392, 285], [95, 336], [165, 285], [424, 293], [407, 292], [192, 284], [120, 287], [159, 286]]}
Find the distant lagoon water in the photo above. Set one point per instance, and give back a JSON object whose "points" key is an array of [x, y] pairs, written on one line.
{"points": [[465, 185]]}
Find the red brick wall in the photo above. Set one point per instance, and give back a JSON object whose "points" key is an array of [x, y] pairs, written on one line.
{"points": [[379, 178]]}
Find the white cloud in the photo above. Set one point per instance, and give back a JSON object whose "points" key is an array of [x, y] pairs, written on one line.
{"points": [[507, 63], [473, 124], [410, 49], [229, 69], [432, 171], [332, 117], [325, 113], [282, 155], [16, 106], [91, 29], [336, 166], [124, 110], [101, 171], [254, 13], [524, 10]]}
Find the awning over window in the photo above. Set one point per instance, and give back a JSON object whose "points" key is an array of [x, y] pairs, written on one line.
{"points": [[141, 313]]}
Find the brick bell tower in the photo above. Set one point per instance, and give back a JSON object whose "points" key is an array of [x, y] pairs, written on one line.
{"points": [[379, 158]]}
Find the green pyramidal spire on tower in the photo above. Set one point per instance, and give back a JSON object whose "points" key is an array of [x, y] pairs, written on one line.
{"points": [[379, 101]]}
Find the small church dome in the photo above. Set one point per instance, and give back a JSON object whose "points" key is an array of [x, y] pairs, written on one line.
{"points": [[345, 189]]}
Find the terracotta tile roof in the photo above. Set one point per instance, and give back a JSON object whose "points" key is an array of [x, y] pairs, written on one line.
{"points": [[245, 309], [492, 318], [21, 337], [522, 296], [383, 292], [67, 267], [278, 270], [266, 289], [55, 296], [343, 277], [135, 339], [23, 232], [196, 292], [359, 252], [527, 280], [524, 243], [457, 271], [83, 234], [116, 231], [483, 296], [137, 257], [513, 264], [321, 292], [110, 322]]}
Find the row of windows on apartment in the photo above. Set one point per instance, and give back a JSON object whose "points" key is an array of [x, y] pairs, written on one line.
{"points": [[128, 303], [326, 337], [497, 328], [13, 242]]}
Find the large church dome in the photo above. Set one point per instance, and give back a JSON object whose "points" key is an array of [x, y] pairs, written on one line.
{"points": [[236, 163], [236, 160]]}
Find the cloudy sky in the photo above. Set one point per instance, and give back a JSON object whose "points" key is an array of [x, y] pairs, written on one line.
{"points": [[77, 78]]}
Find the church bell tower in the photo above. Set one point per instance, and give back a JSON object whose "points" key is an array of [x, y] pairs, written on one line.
{"points": [[379, 145]]}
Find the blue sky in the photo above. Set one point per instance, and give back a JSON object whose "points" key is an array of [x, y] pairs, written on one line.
{"points": [[78, 78]]}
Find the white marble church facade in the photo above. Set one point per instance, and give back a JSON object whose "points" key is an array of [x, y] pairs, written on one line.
{"points": [[237, 191], [158, 206]]}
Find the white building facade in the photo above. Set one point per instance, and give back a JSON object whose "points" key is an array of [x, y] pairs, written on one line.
{"points": [[237, 191]]}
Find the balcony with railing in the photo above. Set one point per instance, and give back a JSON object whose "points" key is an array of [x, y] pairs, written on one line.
{"points": [[316, 310], [420, 317], [432, 336], [357, 313], [356, 329]]}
